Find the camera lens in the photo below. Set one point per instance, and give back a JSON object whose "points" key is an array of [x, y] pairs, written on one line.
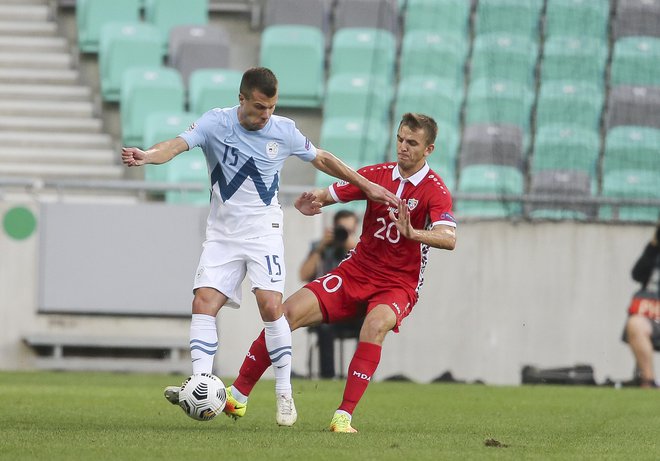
{"points": [[341, 235]]}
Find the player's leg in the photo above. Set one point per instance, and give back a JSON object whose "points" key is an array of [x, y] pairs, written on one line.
{"points": [[639, 330], [366, 358]]}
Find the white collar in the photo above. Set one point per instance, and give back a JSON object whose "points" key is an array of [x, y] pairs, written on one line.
{"points": [[414, 179]]}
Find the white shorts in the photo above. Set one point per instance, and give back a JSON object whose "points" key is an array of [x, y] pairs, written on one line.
{"points": [[224, 263]]}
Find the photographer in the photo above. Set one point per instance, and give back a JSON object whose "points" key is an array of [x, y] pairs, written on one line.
{"points": [[642, 331], [325, 255]]}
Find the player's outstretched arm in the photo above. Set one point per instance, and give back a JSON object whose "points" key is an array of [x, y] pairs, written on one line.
{"points": [[310, 203], [329, 164], [440, 236], [159, 153]]}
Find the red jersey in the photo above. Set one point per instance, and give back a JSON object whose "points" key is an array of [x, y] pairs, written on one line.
{"points": [[382, 252]]}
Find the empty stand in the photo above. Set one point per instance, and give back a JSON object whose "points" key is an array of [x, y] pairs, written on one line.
{"points": [[632, 148], [504, 56], [492, 144], [496, 181], [631, 184], [441, 99], [563, 186], [210, 88], [431, 54], [358, 95], [637, 18], [313, 13], [634, 105], [499, 102], [364, 51], [506, 16], [378, 14], [577, 18], [167, 14], [565, 147], [578, 103], [92, 15], [356, 141], [574, 58], [198, 47], [635, 61], [447, 17]]}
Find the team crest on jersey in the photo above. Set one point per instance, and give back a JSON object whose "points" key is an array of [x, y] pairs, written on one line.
{"points": [[412, 203], [271, 149]]}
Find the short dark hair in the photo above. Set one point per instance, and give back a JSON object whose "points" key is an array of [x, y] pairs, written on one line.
{"points": [[261, 79], [341, 214], [420, 122]]}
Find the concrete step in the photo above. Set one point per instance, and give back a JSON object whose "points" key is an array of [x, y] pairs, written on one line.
{"points": [[56, 140], [47, 109], [29, 28], [24, 12], [16, 43], [45, 92], [54, 124], [39, 76], [25, 2], [68, 171], [58, 156], [36, 60]]}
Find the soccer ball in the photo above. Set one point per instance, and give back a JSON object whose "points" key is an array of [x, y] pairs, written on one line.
{"points": [[202, 396]]}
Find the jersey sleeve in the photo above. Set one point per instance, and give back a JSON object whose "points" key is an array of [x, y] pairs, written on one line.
{"points": [[342, 191], [301, 146], [440, 206], [195, 135]]}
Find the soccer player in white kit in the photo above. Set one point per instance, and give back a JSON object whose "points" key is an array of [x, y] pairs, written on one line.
{"points": [[245, 148]]}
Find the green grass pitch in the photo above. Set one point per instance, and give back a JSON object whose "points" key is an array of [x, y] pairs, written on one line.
{"points": [[105, 416]]}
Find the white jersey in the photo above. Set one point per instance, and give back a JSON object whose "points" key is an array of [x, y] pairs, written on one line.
{"points": [[244, 169]]}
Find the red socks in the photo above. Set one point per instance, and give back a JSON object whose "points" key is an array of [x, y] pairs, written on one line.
{"points": [[255, 363], [362, 367]]}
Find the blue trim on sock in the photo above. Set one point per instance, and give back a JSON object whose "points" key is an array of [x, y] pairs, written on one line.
{"points": [[273, 360], [275, 351], [199, 348], [215, 344]]}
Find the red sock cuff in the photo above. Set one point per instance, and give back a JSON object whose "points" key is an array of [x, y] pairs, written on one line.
{"points": [[368, 351]]}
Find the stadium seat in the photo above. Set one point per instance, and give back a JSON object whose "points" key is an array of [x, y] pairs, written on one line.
{"points": [[499, 102], [296, 55], [363, 51], [494, 180], [167, 14], [576, 103], [631, 184], [563, 186], [438, 98], [445, 167], [633, 105], [577, 18], [443, 157], [190, 167], [636, 18], [358, 142], [632, 147], [493, 145], [198, 47], [503, 56], [438, 16], [505, 16], [565, 147], [313, 13], [572, 58], [210, 88], [92, 15], [635, 61], [122, 47], [426, 53], [161, 126], [377, 14], [356, 95], [147, 90]]}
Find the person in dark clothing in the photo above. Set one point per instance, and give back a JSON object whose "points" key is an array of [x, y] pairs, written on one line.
{"points": [[642, 331]]}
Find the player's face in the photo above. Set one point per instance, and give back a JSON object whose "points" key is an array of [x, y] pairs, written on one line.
{"points": [[255, 110], [411, 150]]}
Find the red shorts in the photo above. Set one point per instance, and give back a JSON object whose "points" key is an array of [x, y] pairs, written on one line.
{"points": [[346, 293]]}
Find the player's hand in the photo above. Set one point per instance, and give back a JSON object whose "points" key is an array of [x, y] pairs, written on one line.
{"points": [[402, 220], [132, 156], [379, 194], [308, 204]]}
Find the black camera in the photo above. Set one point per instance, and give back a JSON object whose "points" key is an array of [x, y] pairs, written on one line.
{"points": [[340, 235]]}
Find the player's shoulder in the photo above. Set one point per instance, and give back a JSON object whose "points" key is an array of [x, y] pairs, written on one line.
{"points": [[281, 122], [378, 168], [435, 181]]}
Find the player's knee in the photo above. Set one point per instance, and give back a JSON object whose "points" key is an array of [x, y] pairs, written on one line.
{"points": [[375, 328]]}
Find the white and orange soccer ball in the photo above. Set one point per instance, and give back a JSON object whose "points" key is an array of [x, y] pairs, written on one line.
{"points": [[202, 396]]}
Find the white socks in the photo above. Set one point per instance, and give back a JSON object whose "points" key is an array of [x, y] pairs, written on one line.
{"points": [[204, 342], [278, 343]]}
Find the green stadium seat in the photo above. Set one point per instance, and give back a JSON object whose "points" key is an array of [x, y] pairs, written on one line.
{"points": [[632, 148], [572, 58], [499, 102], [494, 180], [425, 53], [631, 184], [189, 167], [296, 54], [166, 14], [358, 142], [636, 61], [438, 98], [505, 16], [358, 95], [504, 56], [146, 90], [565, 147], [210, 88], [122, 47], [576, 103], [363, 51], [577, 18], [443, 157], [439, 16], [161, 126], [92, 15]]}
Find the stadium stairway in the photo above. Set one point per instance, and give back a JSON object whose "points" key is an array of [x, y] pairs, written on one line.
{"points": [[49, 123]]}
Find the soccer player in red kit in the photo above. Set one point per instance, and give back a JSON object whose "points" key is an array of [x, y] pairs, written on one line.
{"points": [[380, 279]]}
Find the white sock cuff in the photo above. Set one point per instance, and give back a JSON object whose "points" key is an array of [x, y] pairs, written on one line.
{"points": [[277, 327], [203, 321]]}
